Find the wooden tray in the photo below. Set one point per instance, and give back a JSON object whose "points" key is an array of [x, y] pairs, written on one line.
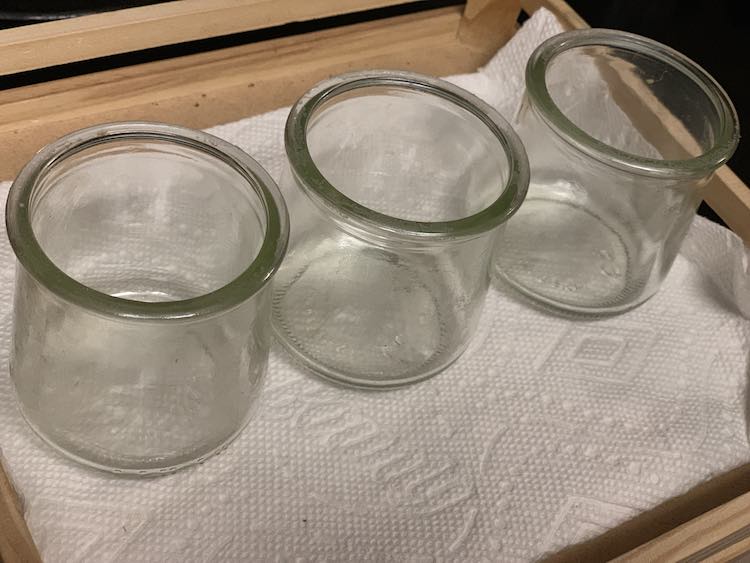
{"points": [[186, 79]]}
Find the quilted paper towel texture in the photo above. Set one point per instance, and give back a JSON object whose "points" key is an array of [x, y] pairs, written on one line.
{"points": [[546, 432]]}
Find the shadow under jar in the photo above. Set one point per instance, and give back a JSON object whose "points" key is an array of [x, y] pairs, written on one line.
{"points": [[397, 186], [141, 315], [622, 134]]}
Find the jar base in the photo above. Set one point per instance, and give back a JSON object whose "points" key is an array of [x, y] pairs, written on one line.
{"points": [[570, 258], [364, 318], [357, 382], [131, 470], [542, 303]]}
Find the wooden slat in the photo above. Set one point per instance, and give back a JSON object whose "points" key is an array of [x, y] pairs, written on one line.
{"points": [[87, 37], [479, 25], [719, 535], [660, 520], [16, 545], [736, 553], [566, 15], [225, 85], [730, 198]]}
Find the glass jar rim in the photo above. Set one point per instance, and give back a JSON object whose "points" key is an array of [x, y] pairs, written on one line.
{"points": [[315, 184], [726, 138], [35, 261]]}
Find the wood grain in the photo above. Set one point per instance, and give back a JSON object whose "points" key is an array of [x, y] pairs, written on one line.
{"points": [[228, 84], [87, 37], [484, 20], [566, 15], [719, 535], [660, 520], [16, 545], [730, 198]]}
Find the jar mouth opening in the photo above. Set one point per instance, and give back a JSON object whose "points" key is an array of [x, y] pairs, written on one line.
{"points": [[726, 134], [323, 192], [46, 272]]}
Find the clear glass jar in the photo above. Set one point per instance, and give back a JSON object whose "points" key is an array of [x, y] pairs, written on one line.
{"points": [[397, 186], [141, 315], [623, 134]]}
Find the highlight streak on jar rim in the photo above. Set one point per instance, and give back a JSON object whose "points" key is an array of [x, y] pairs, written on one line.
{"points": [[315, 184], [727, 135], [35, 261]]}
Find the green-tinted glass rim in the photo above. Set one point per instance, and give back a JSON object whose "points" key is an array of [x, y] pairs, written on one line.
{"points": [[34, 260], [315, 184], [726, 136]]}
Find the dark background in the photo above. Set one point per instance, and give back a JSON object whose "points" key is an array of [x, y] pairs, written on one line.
{"points": [[22, 12], [715, 34]]}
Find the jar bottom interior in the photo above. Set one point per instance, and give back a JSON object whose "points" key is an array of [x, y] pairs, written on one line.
{"points": [[380, 321], [570, 256]]}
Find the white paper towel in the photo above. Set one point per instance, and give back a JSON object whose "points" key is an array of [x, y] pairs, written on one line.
{"points": [[546, 432]]}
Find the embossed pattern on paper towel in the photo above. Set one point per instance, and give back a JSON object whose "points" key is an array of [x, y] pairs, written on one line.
{"points": [[546, 432]]}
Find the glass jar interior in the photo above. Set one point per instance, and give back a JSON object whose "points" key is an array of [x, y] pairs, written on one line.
{"points": [[623, 135], [634, 101], [407, 153], [147, 220]]}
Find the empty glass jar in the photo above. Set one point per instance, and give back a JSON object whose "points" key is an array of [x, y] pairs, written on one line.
{"points": [[141, 317], [397, 186], [623, 134]]}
